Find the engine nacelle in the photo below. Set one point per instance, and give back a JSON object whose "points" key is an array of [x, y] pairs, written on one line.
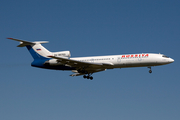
{"points": [[54, 62], [62, 54]]}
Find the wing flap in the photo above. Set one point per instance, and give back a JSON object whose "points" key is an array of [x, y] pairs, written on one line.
{"points": [[92, 71], [77, 74]]}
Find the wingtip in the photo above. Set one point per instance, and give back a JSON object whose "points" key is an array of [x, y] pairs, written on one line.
{"points": [[10, 38], [50, 56]]}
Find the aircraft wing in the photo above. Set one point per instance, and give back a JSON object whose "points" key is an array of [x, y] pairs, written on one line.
{"points": [[83, 66], [75, 63]]}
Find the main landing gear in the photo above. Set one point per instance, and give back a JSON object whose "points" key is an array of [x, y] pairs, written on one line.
{"points": [[150, 71], [88, 77]]}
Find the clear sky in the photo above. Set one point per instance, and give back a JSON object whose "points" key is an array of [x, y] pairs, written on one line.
{"points": [[90, 28]]}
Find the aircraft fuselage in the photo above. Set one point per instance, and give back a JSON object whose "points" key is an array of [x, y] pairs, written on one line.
{"points": [[88, 65]]}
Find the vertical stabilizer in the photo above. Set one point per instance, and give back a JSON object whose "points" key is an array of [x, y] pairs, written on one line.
{"points": [[35, 48]]}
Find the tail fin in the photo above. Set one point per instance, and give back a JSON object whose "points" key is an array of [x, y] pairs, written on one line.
{"points": [[35, 48]]}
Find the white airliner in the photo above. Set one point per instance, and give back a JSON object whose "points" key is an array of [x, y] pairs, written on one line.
{"points": [[86, 66]]}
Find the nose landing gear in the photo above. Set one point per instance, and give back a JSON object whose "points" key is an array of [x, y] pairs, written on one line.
{"points": [[150, 71]]}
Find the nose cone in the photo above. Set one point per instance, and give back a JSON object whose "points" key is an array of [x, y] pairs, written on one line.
{"points": [[171, 60]]}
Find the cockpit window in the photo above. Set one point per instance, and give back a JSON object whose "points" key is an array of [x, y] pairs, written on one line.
{"points": [[165, 56]]}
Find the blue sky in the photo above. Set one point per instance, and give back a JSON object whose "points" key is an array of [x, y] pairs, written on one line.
{"points": [[89, 28]]}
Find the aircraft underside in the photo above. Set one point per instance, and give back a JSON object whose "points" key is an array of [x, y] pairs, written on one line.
{"points": [[87, 73]]}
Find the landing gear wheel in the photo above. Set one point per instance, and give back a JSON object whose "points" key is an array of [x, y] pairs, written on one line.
{"points": [[84, 76], [88, 77], [150, 71], [91, 78]]}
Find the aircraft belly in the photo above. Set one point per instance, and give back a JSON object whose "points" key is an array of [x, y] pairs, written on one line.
{"points": [[53, 67], [136, 63]]}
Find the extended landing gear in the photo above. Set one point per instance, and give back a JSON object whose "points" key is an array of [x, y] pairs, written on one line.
{"points": [[150, 71], [88, 77]]}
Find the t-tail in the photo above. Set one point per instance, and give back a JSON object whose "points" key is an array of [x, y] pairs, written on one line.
{"points": [[40, 53]]}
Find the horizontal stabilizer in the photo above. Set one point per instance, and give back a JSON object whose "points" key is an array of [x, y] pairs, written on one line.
{"points": [[24, 43]]}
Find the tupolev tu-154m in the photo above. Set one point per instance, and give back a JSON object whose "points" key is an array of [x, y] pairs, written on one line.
{"points": [[86, 66]]}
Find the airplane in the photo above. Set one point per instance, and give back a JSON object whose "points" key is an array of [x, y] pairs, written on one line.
{"points": [[86, 66]]}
